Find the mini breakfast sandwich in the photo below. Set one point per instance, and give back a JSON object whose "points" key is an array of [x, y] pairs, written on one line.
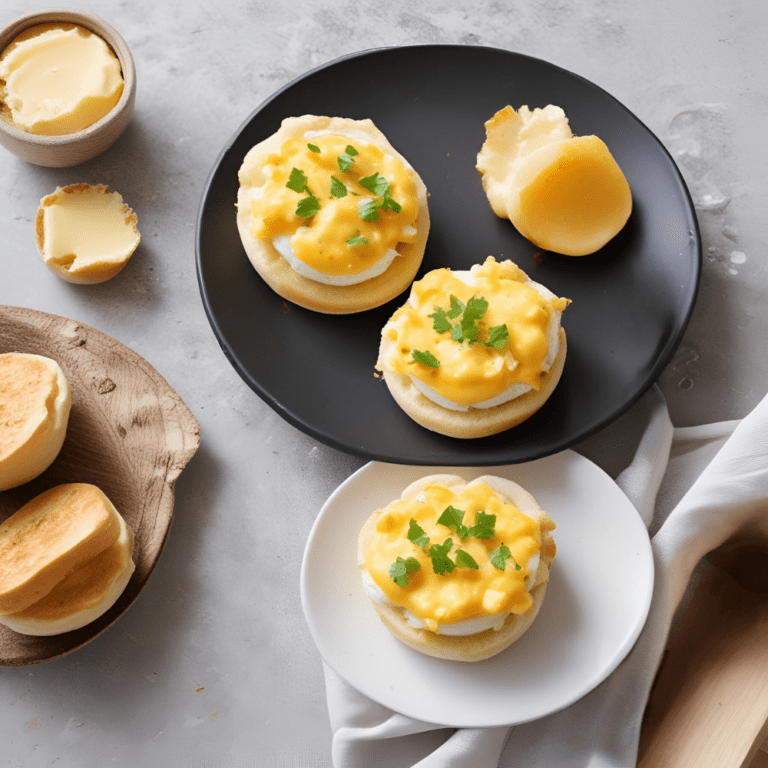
{"points": [[65, 558], [331, 215], [474, 353], [564, 193], [85, 234], [35, 400], [458, 570]]}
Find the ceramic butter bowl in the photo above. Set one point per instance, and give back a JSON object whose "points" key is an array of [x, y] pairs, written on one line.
{"points": [[71, 146]]}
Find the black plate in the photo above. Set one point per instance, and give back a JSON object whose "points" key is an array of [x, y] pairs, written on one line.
{"points": [[631, 300]]}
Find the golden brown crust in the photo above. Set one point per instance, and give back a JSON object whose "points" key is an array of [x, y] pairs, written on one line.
{"points": [[484, 644], [477, 422], [279, 274]]}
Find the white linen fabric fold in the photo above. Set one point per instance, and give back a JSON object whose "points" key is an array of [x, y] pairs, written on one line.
{"points": [[695, 488]]}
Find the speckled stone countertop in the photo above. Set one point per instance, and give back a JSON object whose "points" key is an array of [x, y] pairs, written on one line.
{"points": [[213, 665]]}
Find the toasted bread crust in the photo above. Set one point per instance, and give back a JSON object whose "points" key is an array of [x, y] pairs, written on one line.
{"points": [[485, 644], [279, 274]]}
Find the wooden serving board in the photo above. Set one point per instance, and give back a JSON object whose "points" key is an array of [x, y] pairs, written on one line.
{"points": [[129, 433], [709, 704]]}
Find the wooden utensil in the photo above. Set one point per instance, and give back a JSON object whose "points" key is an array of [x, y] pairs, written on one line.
{"points": [[129, 433]]}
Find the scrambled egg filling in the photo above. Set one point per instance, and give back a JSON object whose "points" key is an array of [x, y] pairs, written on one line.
{"points": [[473, 372], [465, 592], [336, 239]]}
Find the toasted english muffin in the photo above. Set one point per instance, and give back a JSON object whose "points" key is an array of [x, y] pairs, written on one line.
{"points": [[35, 401], [410, 330], [86, 593], [487, 643], [273, 267]]}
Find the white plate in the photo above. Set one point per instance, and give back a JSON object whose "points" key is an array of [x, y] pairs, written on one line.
{"points": [[596, 604]]}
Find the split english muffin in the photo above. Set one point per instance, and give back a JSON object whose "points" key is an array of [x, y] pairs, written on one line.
{"points": [[331, 215], [65, 558], [458, 570], [35, 401]]}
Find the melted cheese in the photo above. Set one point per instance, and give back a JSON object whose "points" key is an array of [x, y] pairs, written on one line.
{"points": [[59, 80], [473, 374], [466, 593], [320, 241]]}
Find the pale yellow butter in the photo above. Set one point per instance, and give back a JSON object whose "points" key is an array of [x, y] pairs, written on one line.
{"points": [[56, 80], [86, 234]]}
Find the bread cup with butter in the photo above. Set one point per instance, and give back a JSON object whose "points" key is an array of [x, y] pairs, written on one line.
{"points": [[331, 215], [65, 558], [458, 570], [35, 401], [473, 353]]}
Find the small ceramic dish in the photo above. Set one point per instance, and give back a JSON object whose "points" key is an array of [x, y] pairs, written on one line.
{"points": [[72, 148]]}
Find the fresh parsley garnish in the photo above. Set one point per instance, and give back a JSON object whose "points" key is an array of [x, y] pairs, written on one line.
{"points": [[308, 206], [379, 186], [359, 240], [499, 558], [338, 188], [297, 181], [452, 518], [368, 210], [467, 328], [400, 569], [465, 560], [376, 184], [345, 161], [484, 527], [425, 358], [313, 147], [417, 535], [438, 553]]}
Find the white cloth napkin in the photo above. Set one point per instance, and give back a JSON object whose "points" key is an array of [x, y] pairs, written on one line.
{"points": [[695, 489]]}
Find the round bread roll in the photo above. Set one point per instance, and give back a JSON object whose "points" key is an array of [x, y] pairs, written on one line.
{"points": [[35, 401], [277, 271], [482, 645], [85, 234]]}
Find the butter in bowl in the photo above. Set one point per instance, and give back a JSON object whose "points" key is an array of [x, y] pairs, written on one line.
{"points": [[67, 86]]}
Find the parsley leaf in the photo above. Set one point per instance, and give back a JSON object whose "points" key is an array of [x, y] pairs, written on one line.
{"points": [[465, 560], [313, 147], [389, 202], [368, 210], [425, 358], [440, 320], [400, 569], [457, 307], [498, 336], [345, 161], [452, 518], [359, 240], [338, 188], [417, 535], [499, 558], [484, 527], [438, 553], [297, 181], [308, 206], [376, 184]]}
